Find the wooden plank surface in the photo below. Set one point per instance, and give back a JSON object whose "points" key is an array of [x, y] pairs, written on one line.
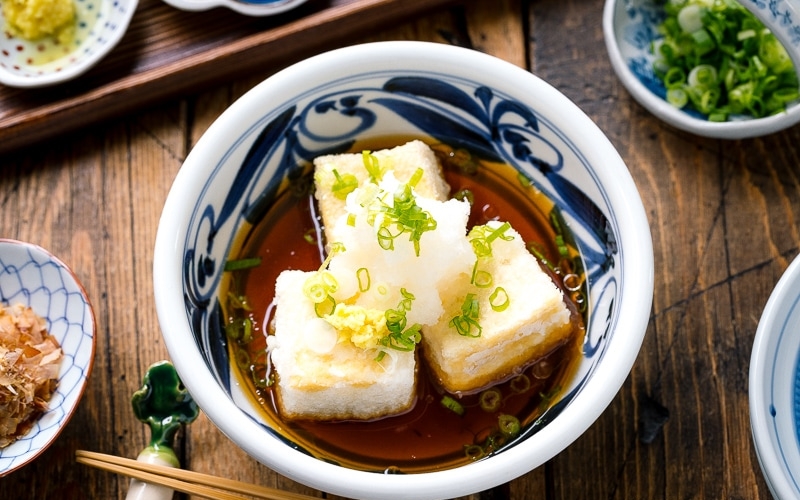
{"points": [[723, 215], [167, 52]]}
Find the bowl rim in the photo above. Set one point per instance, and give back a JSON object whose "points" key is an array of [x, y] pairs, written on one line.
{"points": [[763, 400], [40, 448], [249, 8], [741, 129], [513, 462]]}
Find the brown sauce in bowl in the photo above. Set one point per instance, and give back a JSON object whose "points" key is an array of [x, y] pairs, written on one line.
{"points": [[429, 436]]}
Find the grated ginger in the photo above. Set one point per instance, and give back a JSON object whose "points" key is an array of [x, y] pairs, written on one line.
{"points": [[29, 363], [36, 19]]}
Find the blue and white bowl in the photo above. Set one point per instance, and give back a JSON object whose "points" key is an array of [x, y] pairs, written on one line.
{"points": [[392, 89], [775, 387], [630, 26], [256, 8], [31, 276], [100, 25]]}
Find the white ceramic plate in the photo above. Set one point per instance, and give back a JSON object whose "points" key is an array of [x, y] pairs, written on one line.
{"points": [[100, 26], [32, 276], [775, 387]]}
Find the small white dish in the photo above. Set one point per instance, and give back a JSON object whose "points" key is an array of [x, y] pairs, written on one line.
{"points": [[33, 277], [775, 387], [100, 24], [248, 7], [629, 26]]}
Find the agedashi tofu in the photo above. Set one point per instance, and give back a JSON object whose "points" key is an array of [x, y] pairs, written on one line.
{"points": [[403, 270], [506, 313], [323, 377]]}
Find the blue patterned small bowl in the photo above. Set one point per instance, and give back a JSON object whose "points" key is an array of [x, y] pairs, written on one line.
{"points": [[629, 27], [775, 387], [457, 96], [100, 24], [255, 8], [33, 277]]}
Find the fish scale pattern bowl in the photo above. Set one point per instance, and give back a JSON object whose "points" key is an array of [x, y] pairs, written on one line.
{"points": [[456, 96], [31, 276]]}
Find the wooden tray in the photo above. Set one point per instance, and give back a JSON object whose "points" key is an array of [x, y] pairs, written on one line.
{"points": [[167, 51]]}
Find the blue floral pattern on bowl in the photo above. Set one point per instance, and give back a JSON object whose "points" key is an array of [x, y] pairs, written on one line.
{"points": [[635, 38], [247, 7], [781, 15], [459, 112], [33, 277]]}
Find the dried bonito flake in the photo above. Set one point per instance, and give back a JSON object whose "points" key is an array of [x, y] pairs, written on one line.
{"points": [[29, 364]]}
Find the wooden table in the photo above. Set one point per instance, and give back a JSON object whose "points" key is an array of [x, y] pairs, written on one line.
{"points": [[724, 224]]}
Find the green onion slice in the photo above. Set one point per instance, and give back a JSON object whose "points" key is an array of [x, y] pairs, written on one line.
{"points": [[509, 425], [362, 275], [490, 400], [343, 185], [499, 299], [241, 264], [451, 404]]}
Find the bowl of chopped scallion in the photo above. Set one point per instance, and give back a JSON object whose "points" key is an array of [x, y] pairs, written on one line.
{"points": [[716, 68]]}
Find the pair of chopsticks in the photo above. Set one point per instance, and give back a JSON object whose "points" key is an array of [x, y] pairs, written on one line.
{"points": [[185, 481]]}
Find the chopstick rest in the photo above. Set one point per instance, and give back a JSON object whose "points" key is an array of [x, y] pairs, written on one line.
{"points": [[164, 404]]}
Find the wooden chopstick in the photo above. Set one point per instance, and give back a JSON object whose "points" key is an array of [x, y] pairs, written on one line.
{"points": [[185, 481]]}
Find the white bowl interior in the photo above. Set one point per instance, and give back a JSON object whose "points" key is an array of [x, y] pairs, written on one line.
{"points": [[391, 89]]}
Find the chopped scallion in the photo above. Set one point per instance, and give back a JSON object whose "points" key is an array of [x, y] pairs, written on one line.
{"points": [[718, 58], [490, 400], [509, 425], [362, 275], [241, 264], [372, 166], [499, 299], [451, 404], [344, 184]]}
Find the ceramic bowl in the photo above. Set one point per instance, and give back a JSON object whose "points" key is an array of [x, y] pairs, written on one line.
{"points": [[257, 8], [775, 387], [100, 24], [31, 276], [629, 27], [395, 89]]}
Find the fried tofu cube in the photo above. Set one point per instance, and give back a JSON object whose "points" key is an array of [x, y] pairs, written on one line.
{"points": [[519, 317], [403, 160], [324, 377]]}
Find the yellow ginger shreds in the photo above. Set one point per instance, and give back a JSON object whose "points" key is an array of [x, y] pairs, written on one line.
{"points": [[359, 325], [29, 364]]}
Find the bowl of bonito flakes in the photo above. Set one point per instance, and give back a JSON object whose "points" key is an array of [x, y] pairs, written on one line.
{"points": [[47, 343]]}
